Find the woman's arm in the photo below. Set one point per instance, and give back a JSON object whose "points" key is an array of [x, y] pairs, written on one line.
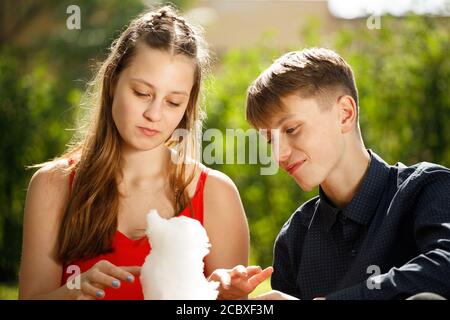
{"points": [[225, 222], [40, 273], [45, 202], [227, 228]]}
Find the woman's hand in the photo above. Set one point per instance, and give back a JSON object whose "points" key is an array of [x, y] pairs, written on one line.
{"points": [[101, 275], [238, 282]]}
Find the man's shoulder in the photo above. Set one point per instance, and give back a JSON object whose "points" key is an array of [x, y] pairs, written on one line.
{"points": [[420, 174]]}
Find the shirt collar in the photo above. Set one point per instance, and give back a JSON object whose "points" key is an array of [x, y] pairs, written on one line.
{"points": [[328, 212], [365, 202]]}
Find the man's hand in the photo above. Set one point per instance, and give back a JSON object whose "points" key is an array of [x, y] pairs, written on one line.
{"points": [[274, 295], [238, 282]]}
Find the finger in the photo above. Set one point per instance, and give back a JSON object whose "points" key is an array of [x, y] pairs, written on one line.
{"points": [[92, 291], [260, 277], [96, 278], [135, 270], [252, 270], [115, 271], [239, 270]]}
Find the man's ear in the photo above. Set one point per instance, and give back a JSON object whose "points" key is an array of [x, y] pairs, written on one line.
{"points": [[348, 113]]}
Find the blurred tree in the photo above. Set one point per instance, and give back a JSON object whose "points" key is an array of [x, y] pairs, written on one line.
{"points": [[403, 74]]}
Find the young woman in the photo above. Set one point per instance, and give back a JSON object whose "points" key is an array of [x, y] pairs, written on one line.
{"points": [[87, 208]]}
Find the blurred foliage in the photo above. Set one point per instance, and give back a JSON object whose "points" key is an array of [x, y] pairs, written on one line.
{"points": [[402, 71]]}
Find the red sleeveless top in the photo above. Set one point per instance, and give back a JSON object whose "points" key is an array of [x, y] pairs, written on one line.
{"points": [[128, 252]]}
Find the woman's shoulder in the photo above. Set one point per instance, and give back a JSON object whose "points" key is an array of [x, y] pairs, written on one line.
{"points": [[217, 182], [51, 179], [46, 200], [214, 182]]}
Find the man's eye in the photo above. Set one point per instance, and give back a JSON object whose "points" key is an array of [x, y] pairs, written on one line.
{"points": [[291, 130]]}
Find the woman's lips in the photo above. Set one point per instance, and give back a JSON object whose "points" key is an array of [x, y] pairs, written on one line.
{"points": [[148, 132], [293, 167]]}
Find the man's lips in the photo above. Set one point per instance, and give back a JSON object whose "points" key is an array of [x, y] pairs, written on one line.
{"points": [[294, 166]]}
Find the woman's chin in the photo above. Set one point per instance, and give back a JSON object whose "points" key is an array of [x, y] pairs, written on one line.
{"points": [[144, 146]]}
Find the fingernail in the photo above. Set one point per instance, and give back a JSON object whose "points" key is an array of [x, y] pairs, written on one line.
{"points": [[130, 278], [100, 293], [116, 283]]}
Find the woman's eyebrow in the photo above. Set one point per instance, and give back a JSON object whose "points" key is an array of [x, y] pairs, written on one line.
{"points": [[153, 87]]}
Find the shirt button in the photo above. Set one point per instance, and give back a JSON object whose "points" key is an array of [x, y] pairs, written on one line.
{"points": [[354, 252]]}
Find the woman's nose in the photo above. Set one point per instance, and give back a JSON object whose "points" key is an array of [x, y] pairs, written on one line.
{"points": [[153, 112]]}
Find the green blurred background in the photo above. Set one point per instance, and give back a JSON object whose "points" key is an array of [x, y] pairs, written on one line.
{"points": [[402, 71]]}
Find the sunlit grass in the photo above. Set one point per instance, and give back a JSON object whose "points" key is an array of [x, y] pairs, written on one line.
{"points": [[9, 291]]}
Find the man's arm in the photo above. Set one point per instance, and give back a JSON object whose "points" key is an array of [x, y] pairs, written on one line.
{"points": [[427, 272], [283, 277]]}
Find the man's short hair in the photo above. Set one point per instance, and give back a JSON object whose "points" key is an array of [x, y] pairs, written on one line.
{"points": [[310, 73]]}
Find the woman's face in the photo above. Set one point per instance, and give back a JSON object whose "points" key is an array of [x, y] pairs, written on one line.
{"points": [[151, 96]]}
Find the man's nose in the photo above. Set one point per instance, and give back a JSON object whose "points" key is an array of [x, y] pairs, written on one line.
{"points": [[283, 151]]}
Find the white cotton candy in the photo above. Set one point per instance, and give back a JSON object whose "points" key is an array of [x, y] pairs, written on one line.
{"points": [[174, 268]]}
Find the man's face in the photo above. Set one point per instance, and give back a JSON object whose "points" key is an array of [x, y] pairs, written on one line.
{"points": [[310, 142]]}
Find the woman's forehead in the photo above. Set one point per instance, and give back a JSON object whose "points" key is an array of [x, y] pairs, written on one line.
{"points": [[160, 68]]}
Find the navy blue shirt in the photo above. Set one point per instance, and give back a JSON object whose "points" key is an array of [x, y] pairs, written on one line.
{"points": [[390, 242]]}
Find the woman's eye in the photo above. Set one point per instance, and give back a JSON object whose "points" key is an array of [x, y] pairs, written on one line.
{"points": [[173, 104], [141, 94]]}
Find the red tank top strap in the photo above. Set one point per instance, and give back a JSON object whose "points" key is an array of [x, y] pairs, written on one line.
{"points": [[197, 201]]}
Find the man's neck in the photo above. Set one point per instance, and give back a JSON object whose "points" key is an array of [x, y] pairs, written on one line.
{"points": [[346, 178]]}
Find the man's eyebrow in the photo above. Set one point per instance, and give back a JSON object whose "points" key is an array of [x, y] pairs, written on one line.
{"points": [[283, 119], [153, 87]]}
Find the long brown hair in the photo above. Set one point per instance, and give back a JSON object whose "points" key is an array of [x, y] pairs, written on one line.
{"points": [[90, 218]]}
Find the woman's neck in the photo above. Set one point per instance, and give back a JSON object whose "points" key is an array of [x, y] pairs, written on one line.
{"points": [[139, 167]]}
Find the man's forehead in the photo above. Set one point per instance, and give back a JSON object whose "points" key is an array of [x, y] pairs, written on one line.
{"points": [[293, 106], [279, 118]]}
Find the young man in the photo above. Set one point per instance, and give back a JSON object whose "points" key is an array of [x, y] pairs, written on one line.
{"points": [[375, 231]]}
